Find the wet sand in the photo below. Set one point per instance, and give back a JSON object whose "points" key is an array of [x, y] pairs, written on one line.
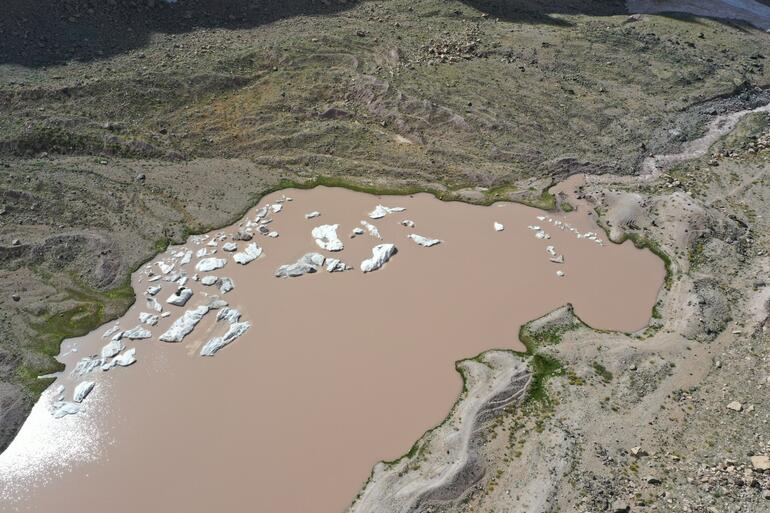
{"points": [[337, 371]]}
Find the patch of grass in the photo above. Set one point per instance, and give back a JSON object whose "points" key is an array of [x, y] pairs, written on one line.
{"points": [[602, 372]]}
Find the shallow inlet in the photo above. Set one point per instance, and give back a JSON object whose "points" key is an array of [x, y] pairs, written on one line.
{"points": [[337, 371]]}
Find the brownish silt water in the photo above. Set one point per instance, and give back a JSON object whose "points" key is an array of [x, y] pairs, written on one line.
{"points": [[337, 371]]}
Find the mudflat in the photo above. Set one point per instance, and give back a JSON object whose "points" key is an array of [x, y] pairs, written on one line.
{"points": [[335, 371]]}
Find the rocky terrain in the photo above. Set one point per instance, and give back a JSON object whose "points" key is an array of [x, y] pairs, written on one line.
{"points": [[127, 125]]}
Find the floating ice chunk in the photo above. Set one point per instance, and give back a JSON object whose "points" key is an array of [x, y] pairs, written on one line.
{"points": [[373, 231], [201, 253], [186, 258], [165, 268], [215, 344], [229, 246], [226, 285], [138, 333], [110, 331], [357, 231], [147, 318], [540, 234], [541, 218], [408, 223], [276, 207], [423, 241], [381, 211], [262, 212], [380, 254], [252, 252], [153, 290], [87, 364], [112, 348], [498, 227], [182, 281], [82, 390], [273, 234], [210, 264], [180, 297], [311, 215], [559, 273], [184, 325], [334, 265], [209, 280], [64, 408], [550, 250], [308, 263], [59, 392], [165, 314], [126, 358], [558, 259], [326, 237], [228, 314], [154, 278], [153, 304]]}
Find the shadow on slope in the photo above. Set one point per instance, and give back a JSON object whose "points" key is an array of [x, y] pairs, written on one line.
{"points": [[51, 32]]}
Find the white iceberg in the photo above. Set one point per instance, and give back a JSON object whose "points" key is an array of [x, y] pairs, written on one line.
{"points": [[138, 333], [112, 349], [381, 211], [424, 241], [154, 305], [64, 408], [180, 297], [228, 314], [215, 344], [210, 264], [308, 263], [184, 325], [373, 231], [380, 254], [147, 318], [226, 285], [326, 237], [82, 390], [335, 265], [252, 252], [209, 280]]}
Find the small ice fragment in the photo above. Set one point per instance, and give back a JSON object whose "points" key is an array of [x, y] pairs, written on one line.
{"points": [[373, 231], [186, 258], [559, 273], [153, 303], [210, 264], [308, 263], [201, 253], [408, 223], [252, 252], [380, 255], [558, 259], [311, 215], [423, 241], [153, 290], [82, 390], [147, 318], [235, 330], [276, 207], [184, 325], [273, 234], [112, 348], [226, 285], [498, 227], [381, 211], [326, 237], [180, 297], [334, 265], [541, 218], [137, 333], [126, 358], [64, 408], [165, 268], [229, 246], [110, 331], [228, 314], [550, 250], [209, 280]]}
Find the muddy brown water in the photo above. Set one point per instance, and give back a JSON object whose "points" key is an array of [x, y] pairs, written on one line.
{"points": [[337, 372]]}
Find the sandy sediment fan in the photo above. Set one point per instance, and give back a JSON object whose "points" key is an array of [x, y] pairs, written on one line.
{"points": [[449, 454]]}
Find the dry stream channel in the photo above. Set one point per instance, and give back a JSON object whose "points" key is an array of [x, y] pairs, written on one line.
{"points": [[307, 381]]}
